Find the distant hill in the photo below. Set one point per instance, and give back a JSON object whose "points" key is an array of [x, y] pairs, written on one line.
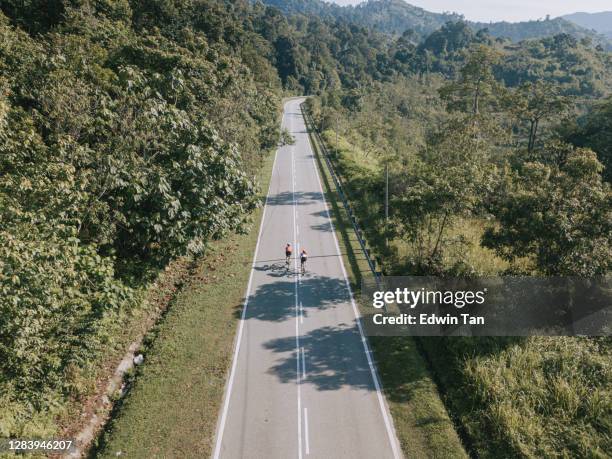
{"points": [[600, 22], [397, 16], [388, 16], [518, 31]]}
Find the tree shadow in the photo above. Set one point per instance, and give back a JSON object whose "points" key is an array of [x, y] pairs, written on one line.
{"points": [[275, 301], [286, 198], [324, 227], [334, 358]]}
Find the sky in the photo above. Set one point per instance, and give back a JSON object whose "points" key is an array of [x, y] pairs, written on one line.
{"points": [[506, 10]]}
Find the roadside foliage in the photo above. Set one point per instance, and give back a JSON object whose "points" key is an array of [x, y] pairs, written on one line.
{"points": [[120, 149]]}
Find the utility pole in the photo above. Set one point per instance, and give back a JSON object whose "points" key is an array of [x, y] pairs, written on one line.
{"points": [[337, 127], [386, 202], [387, 192]]}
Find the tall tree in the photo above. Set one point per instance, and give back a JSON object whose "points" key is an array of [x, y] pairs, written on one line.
{"points": [[475, 88], [534, 102], [595, 132], [446, 181], [559, 214]]}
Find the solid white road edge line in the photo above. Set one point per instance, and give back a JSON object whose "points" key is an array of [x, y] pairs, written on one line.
{"points": [[366, 347], [228, 390]]}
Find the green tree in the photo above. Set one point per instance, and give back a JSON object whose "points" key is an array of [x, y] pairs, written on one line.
{"points": [[533, 103], [559, 215], [476, 87], [595, 132], [448, 180], [451, 37], [289, 61]]}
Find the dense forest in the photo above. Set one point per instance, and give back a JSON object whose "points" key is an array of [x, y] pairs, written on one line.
{"points": [[131, 133], [397, 16], [475, 190]]}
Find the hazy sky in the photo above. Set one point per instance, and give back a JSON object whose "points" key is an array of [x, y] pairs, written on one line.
{"points": [[506, 10]]}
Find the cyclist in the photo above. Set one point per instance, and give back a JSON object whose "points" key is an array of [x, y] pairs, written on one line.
{"points": [[303, 258], [288, 252]]}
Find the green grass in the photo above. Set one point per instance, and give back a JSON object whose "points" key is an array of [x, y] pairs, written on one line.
{"points": [[172, 408], [422, 424], [463, 243], [350, 153], [463, 235], [529, 397]]}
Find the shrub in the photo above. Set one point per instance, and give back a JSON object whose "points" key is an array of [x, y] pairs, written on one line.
{"points": [[57, 297]]}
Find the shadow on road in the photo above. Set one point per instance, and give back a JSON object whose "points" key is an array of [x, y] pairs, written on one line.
{"points": [[275, 301], [301, 198], [334, 359], [325, 227], [276, 269]]}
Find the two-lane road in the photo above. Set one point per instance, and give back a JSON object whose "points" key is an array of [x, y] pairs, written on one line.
{"points": [[302, 383]]}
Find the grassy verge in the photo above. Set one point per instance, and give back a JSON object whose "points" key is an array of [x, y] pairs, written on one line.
{"points": [[422, 424], [171, 410], [528, 397]]}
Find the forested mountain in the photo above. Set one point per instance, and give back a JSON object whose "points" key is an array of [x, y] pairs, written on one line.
{"points": [[388, 16], [575, 66], [397, 16], [600, 22], [517, 31]]}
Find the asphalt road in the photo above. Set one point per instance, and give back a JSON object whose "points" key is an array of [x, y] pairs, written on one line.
{"points": [[302, 382]]}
